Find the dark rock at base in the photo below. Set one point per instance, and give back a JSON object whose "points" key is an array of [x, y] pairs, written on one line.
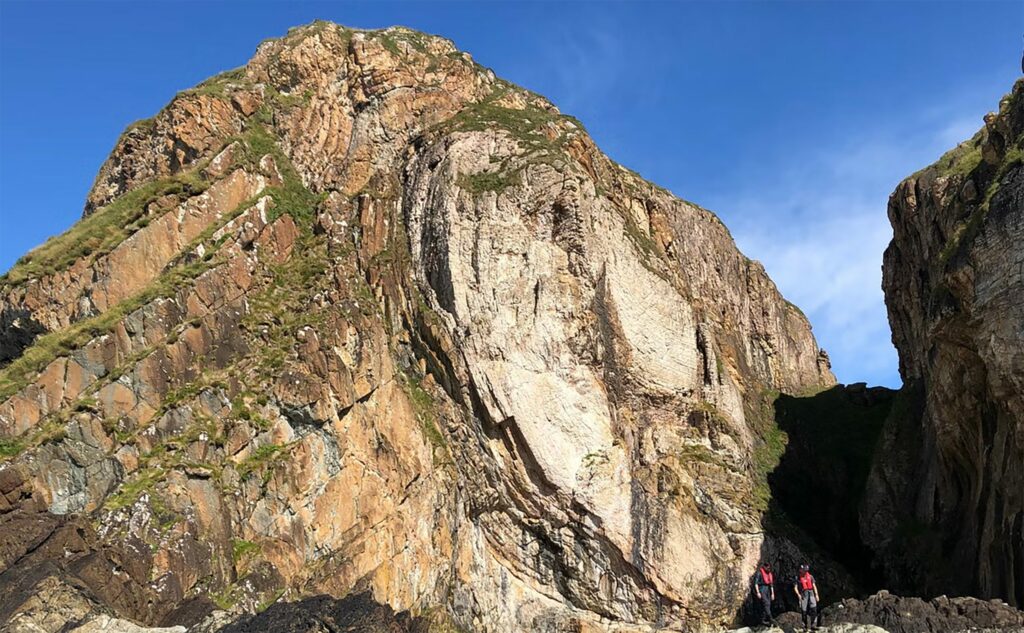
{"points": [[324, 613], [190, 612], [914, 615]]}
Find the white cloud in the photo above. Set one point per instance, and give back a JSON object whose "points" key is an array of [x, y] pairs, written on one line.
{"points": [[820, 229]]}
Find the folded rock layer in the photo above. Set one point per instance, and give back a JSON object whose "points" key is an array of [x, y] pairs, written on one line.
{"points": [[361, 318]]}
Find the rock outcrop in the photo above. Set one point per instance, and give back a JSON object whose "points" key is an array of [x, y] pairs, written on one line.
{"points": [[360, 317], [938, 615], [944, 508]]}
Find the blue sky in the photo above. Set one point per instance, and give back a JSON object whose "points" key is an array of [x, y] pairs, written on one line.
{"points": [[792, 121]]}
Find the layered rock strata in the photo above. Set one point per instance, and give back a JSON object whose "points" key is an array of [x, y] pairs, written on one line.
{"points": [[360, 317], [944, 509]]}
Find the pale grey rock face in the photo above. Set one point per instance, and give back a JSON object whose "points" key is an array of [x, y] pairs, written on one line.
{"points": [[568, 330]]}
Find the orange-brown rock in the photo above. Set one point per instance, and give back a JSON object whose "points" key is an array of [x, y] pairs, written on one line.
{"points": [[383, 322]]}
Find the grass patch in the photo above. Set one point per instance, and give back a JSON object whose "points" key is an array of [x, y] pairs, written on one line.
{"points": [[11, 448], [242, 549], [794, 307], [697, 453], [639, 238], [961, 160], [129, 491], [52, 430], [390, 38], [425, 409], [225, 599], [268, 602], [963, 236], [219, 85], [540, 133], [281, 309], [290, 100], [291, 197], [48, 347], [767, 455], [489, 181], [524, 125], [263, 459], [101, 231]]}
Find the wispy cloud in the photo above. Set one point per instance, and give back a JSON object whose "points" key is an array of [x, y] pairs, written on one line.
{"points": [[816, 215], [587, 63], [820, 227]]}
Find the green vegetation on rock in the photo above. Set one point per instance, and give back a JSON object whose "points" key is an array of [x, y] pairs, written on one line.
{"points": [[242, 549], [489, 181], [969, 229], [99, 232], [131, 489], [220, 85], [10, 448], [48, 347], [425, 409]]}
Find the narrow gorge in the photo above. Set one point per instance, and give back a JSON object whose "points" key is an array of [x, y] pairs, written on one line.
{"points": [[360, 336]]}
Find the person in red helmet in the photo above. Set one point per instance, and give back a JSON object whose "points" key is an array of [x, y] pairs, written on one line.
{"points": [[807, 594], [764, 591]]}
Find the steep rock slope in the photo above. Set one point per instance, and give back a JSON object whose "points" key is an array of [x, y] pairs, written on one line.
{"points": [[360, 316], [944, 510]]}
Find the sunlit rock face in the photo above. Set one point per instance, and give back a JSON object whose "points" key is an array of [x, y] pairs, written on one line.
{"points": [[945, 503], [360, 317]]}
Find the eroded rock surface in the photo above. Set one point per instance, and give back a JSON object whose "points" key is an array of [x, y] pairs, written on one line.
{"points": [[944, 510], [913, 615]]}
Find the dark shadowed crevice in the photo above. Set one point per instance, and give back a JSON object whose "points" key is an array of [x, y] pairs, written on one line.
{"points": [[18, 330], [821, 477]]}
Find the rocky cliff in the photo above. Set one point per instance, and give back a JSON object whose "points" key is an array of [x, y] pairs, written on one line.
{"points": [[944, 507], [361, 317]]}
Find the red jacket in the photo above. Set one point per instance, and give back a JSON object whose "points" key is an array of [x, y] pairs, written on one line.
{"points": [[805, 582]]}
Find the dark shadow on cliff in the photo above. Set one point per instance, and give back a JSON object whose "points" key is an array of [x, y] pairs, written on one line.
{"points": [[820, 480], [18, 330], [816, 489]]}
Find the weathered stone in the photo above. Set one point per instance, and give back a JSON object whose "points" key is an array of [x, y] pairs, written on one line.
{"points": [[452, 359], [944, 510]]}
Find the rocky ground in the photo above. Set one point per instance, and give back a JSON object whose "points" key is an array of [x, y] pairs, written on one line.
{"points": [[880, 613], [884, 612]]}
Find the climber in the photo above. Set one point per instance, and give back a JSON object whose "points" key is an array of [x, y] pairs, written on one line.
{"points": [[807, 593], [764, 591]]}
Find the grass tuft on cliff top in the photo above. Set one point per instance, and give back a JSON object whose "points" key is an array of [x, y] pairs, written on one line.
{"points": [[101, 231], [965, 233]]}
